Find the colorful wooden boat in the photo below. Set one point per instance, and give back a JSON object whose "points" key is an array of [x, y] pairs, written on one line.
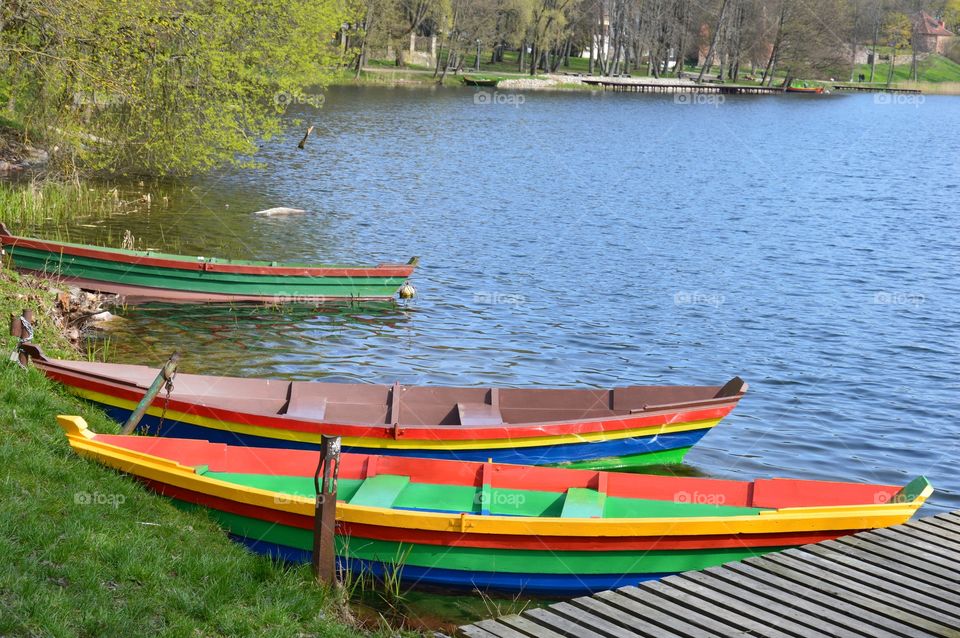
{"points": [[588, 428], [451, 524], [477, 80], [805, 89], [141, 276]]}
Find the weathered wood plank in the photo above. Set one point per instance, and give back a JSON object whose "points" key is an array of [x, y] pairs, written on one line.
{"points": [[694, 615], [679, 626], [839, 592], [586, 619], [951, 538], [489, 629], [559, 624], [618, 616], [908, 576], [764, 592], [825, 597], [918, 541], [950, 516], [943, 523], [770, 612], [897, 582], [906, 552], [703, 607], [527, 627], [880, 589]]}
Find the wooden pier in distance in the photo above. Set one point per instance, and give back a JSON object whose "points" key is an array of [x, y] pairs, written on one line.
{"points": [[873, 89], [613, 84], [898, 582]]}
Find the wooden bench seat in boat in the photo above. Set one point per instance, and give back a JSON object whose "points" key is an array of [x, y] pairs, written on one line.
{"points": [[582, 502], [306, 405], [381, 490], [479, 414], [337, 402]]}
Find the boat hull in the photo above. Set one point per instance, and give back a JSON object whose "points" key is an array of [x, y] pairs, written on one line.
{"points": [[637, 451], [644, 439], [496, 527], [147, 276]]}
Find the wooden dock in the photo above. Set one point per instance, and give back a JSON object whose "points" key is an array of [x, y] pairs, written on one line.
{"points": [[899, 582], [681, 87], [873, 89]]}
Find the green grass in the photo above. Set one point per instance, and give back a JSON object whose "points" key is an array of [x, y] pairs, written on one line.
{"points": [[134, 565], [25, 206], [10, 125], [935, 69]]}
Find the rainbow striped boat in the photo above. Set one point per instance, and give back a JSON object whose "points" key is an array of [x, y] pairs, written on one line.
{"points": [[622, 427], [141, 276], [497, 527]]}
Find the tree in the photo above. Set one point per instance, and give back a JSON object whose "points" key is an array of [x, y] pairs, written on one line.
{"points": [[897, 29], [162, 86]]}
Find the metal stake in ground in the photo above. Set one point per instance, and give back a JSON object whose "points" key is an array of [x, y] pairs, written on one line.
{"points": [[165, 377], [22, 328], [324, 559]]}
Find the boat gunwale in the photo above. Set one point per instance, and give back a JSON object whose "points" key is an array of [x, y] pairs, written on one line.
{"points": [[391, 431], [795, 519], [194, 263]]}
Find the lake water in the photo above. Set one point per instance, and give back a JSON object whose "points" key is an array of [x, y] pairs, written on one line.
{"points": [[808, 244]]}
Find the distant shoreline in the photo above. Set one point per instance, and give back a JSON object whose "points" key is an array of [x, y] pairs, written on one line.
{"points": [[413, 77]]}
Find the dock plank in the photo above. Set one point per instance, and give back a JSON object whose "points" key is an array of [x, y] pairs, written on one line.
{"points": [[581, 618], [496, 630], [908, 551], [786, 594], [698, 607], [897, 582], [526, 627], [679, 626], [558, 624], [774, 614], [880, 589], [917, 541], [919, 581], [617, 616], [936, 521], [832, 594]]}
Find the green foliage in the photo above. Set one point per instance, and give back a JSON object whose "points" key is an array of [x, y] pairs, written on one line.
{"points": [[897, 30], [162, 86]]}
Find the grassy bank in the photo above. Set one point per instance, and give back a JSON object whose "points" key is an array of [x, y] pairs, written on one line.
{"points": [[128, 563]]}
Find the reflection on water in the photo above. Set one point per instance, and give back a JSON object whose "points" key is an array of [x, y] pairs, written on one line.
{"points": [[810, 246]]}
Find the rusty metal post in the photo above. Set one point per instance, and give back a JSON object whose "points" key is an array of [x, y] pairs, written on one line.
{"points": [[14, 326], [22, 328], [166, 376], [26, 334], [324, 559]]}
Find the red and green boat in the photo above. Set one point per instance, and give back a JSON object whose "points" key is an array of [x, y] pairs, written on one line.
{"points": [[595, 428], [141, 276], [491, 526]]}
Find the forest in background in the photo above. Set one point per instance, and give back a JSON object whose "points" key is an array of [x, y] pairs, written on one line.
{"points": [[171, 87]]}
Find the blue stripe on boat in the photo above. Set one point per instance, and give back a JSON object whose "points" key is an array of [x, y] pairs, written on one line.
{"points": [[539, 455], [544, 584]]}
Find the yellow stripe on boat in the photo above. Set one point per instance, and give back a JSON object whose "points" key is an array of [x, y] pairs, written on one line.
{"points": [[798, 519], [405, 443]]}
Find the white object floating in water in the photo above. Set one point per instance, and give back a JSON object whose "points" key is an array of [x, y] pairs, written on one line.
{"points": [[280, 210], [407, 291]]}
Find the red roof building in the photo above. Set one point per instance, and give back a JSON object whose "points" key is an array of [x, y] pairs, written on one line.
{"points": [[929, 34]]}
